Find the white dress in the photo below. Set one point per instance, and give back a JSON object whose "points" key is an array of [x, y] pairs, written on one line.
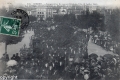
{"points": [[86, 76]]}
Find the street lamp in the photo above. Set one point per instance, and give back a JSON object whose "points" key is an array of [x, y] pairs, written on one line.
{"points": [[65, 58], [65, 62]]}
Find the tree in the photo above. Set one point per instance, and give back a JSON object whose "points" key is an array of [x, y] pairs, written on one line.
{"points": [[93, 20], [96, 20], [63, 34], [113, 25], [32, 18], [49, 19], [65, 19], [58, 18]]}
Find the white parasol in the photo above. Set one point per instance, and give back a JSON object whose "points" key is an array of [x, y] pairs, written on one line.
{"points": [[86, 76], [96, 36], [11, 63]]}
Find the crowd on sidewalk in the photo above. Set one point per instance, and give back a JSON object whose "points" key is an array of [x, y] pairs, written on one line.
{"points": [[104, 40], [39, 67]]}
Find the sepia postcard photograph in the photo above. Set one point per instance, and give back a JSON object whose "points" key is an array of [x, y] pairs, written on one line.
{"points": [[59, 39]]}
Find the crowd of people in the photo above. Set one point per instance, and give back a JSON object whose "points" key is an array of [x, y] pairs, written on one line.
{"points": [[59, 57], [40, 67], [104, 40]]}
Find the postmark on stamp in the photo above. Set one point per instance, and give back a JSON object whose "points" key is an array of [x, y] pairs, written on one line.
{"points": [[10, 26], [21, 14]]}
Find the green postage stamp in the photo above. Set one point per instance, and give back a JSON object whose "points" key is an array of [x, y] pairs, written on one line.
{"points": [[10, 26]]}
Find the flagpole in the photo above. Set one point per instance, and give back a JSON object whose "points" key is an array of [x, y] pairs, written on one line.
{"points": [[65, 64]]}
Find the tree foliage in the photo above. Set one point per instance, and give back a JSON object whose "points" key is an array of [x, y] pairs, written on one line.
{"points": [[32, 18], [87, 20], [113, 25], [63, 34]]}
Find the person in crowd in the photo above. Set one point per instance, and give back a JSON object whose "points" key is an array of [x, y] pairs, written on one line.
{"points": [[32, 66], [17, 58], [13, 57], [21, 72], [7, 57], [3, 57]]}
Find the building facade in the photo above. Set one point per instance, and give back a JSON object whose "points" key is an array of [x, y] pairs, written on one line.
{"points": [[44, 11]]}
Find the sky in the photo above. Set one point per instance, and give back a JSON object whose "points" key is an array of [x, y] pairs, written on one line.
{"points": [[99, 2]]}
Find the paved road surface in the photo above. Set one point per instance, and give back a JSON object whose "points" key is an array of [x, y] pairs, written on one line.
{"points": [[14, 48], [93, 48]]}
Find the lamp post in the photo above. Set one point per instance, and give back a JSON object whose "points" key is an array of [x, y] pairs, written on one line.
{"points": [[65, 62]]}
